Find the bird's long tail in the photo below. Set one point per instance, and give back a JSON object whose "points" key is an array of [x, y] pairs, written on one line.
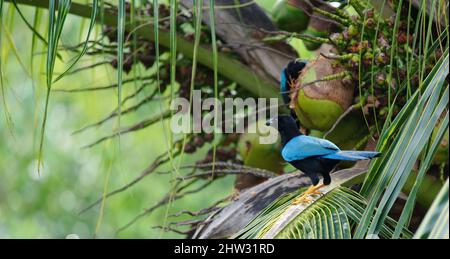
{"points": [[353, 155]]}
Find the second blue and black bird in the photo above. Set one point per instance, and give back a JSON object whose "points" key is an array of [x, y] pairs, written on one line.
{"points": [[313, 156], [289, 75]]}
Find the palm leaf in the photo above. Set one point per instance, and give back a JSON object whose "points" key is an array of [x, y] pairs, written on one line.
{"points": [[2, 86], [215, 70], [392, 171], [55, 25], [31, 27], [92, 19], [228, 67], [120, 40], [173, 61], [198, 23], [435, 224], [386, 142], [424, 166], [158, 65], [328, 217], [14, 50], [331, 216]]}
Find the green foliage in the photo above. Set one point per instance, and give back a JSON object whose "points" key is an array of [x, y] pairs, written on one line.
{"points": [[331, 216], [121, 18], [56, 24], [435, 223], [92, 21], [409, 136], [414, 118], [388, 174], [47, 206]]}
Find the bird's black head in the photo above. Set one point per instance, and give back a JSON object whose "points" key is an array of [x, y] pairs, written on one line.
{"points": [[294, 67], [289, 74], [286, 125]]}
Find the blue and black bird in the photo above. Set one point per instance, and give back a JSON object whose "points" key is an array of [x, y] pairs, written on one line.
{"points": [[313, 156], [289, 75]]}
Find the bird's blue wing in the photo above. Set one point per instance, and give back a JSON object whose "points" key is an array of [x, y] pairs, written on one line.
{"points": [[302, 147]]}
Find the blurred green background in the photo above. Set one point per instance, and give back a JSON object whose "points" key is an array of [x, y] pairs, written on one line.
{"points": [[47, 205]]}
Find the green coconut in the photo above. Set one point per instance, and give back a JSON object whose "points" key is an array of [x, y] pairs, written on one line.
{"points": [[316, 133], [255, 154], [319, 26], [351, 132], [319, 104], [316, 28], [291, 15]]}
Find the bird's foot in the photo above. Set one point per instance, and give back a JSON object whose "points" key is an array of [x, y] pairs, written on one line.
{"points": [[305, 198], [301, 200]]}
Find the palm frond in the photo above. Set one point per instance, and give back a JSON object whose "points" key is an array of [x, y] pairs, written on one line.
{"points": [[31, 27], [392, 171], [120, 48], [55, 25], [14, 50], [92, 21], [215, 69], [435, 224], [332, 216], [390, 130], [198, 23], [173, 59], [2, 86], [158, 65], [424, 166]]}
